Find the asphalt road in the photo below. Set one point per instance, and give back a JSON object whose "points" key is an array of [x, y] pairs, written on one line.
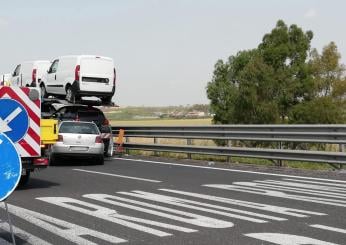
{"points": [[134, 201]]}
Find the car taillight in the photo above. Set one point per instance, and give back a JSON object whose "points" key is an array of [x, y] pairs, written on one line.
{"points": [[115, 75], [33, 76], [105, 122], [60, 138], [98, 139], [77, 73]]}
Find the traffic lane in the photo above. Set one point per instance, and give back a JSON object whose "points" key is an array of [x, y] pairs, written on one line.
{"points": [[232, 235], [220, 235], [182, 178], [194, 177], [246, 171]]}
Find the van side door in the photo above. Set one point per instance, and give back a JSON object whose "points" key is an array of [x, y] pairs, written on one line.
{"points": [[52, 85]]}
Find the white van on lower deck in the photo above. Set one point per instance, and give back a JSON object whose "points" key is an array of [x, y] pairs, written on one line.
{"points": [[76, 76]]}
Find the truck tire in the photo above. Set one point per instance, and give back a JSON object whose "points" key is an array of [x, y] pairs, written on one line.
{"points": [[70, 95], [24, 179], [44, 93]]}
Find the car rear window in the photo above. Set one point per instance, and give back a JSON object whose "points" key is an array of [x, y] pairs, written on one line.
{"points": [[78, 128], [85, 114]]}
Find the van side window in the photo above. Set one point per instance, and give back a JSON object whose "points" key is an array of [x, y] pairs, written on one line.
{"points": [[54, 66], [16, 71]]}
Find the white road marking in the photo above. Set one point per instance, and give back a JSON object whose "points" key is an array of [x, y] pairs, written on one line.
{"points": [[315, 182], [31, 239], [117, 175], [292, 189], [185, 204], [302, 185], [287, 239], [113, 216], [64, 229], [329, 228], [280, 194], [227, 170], [265, 207], [190, 218]]}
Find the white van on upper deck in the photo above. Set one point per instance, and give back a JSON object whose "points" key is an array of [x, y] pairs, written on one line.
{"points": [[75, 76], [29, 73]]}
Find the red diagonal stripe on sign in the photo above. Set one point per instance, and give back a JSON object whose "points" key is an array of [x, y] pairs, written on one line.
{"points": [[14, 96], [28, 148], [34, 136]]}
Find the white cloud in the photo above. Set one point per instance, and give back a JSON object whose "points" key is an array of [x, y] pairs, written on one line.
{"points": [[311, 13]]}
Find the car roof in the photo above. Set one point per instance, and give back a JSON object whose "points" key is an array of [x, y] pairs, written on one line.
{"points": [[80, 106], [78, 122]]}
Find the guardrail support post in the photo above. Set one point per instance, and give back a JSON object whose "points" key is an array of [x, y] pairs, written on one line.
{"points": [[229, 144], [156, 140], [341, 149], [127, 151], [279, 162], [189, 142]]}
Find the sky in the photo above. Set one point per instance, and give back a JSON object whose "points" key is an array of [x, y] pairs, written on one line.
{"points": [[164, 50]]}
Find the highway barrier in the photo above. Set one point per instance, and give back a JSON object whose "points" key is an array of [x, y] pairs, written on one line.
{"points": [[315, 134]]}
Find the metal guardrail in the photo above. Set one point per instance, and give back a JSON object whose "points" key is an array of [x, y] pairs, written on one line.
{"points": [[326, 134]]}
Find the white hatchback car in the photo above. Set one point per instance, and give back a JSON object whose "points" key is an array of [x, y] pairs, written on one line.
{"points": [[78, 139], [76, 76]]}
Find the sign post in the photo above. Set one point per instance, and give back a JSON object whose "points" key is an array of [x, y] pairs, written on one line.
{"points": [[14, 123]]}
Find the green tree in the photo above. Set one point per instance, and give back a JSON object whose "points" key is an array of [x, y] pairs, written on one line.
{"points": [[327, 104], [263, 84]]}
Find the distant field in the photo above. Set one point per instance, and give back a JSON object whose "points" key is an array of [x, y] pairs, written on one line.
{"points": [[163, 122]]}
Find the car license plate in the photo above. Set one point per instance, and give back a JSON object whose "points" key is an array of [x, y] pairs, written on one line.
{"points": [[78, 148]]}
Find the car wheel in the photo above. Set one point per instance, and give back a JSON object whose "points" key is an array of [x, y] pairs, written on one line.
{"points": [[100, 160], [110, 148], [44, 93], [70, 96]]}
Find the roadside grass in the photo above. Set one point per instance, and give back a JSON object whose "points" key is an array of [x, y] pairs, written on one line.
{"points": [[163, 122], [210, 158]]}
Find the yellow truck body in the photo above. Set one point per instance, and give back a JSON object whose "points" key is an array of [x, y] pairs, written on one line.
{"points": [[49, 131]]}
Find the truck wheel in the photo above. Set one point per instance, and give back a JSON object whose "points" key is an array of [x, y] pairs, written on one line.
{"points": [[52, 160], [70, 96], [24, 179], [44, 93]]}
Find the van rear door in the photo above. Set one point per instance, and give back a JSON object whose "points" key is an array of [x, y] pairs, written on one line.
{"points": [[96, 74]]}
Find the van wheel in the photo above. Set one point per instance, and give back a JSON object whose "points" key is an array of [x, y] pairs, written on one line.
{"points": [[70, 96], [44, 93], [107, 100]]}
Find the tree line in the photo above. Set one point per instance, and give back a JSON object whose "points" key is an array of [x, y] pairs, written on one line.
{"points": [[283, 80]]}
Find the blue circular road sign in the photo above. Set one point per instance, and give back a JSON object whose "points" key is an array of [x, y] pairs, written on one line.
{"points": [[10, 167], [14, 120]]}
